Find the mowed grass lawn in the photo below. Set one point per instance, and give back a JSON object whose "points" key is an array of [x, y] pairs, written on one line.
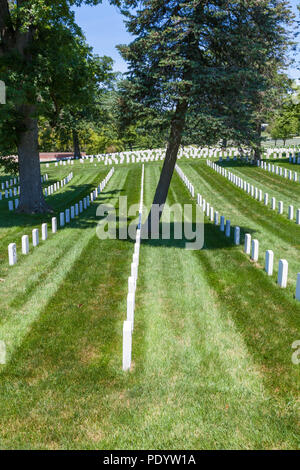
{"points": [[212, 342]]}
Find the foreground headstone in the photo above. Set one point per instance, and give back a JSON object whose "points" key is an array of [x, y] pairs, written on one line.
{"points": [[282, 273], [254, 250], [25, 245], [67, 213], [131, 285], [134, 271], [35, 237], [127, 345], [269, 262], [12, 254], [280, 207], [298, 217]]}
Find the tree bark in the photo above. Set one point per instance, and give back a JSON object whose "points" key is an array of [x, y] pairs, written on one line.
{"points": [[257, 150], [77, 153], [161, 193], [31, 194]]}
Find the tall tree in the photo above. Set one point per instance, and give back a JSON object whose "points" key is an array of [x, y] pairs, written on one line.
{"points": [[23, 27], [203, 57]]}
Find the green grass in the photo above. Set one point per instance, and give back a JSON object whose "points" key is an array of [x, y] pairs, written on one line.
{"points": [[212, 342]]}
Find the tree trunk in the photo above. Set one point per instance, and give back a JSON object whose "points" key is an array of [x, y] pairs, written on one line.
{"points": [[31, 194], [224, 143], [77, 153], [177, 126], [257, 150]]}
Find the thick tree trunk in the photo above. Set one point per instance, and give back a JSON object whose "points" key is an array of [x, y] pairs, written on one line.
{"points": [[31, 195], [77, 153], [161, 193], [257, 150]]}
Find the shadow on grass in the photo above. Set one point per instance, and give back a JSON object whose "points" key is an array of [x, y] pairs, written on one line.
{"points": [[178, 235], [59, 202]]}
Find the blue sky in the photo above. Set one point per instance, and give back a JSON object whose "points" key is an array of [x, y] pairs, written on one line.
{"points": [[104, 28]]}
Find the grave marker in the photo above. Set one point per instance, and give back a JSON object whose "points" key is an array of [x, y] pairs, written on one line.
{"points": [[127, 345], [269, 262], [282, 273], [35, 237], [254, 250], [12, 254]]}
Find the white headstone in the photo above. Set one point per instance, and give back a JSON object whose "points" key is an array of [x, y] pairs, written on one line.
{"points": [[298, 217], [134, 271], [130, 308], [280, 207], [12, 254], [237, 235], [62, 219], [54, 224], [227, 230], [44, 232], [273, 203], [254, 250], [127, 344], [282, 273], [131, 284], [216, 218], [35, 237], [269, 262], [25, 245]]}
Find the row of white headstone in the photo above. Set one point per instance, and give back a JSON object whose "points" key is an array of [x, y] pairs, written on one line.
{"points": [[9, 193], [14, 203], [11, 182], [58, 185], [278, 170], [65, 217], [69, 161], [256, 193], [250, 247], [208, 209], [185, 180], [278, 152], [128, 324]]}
